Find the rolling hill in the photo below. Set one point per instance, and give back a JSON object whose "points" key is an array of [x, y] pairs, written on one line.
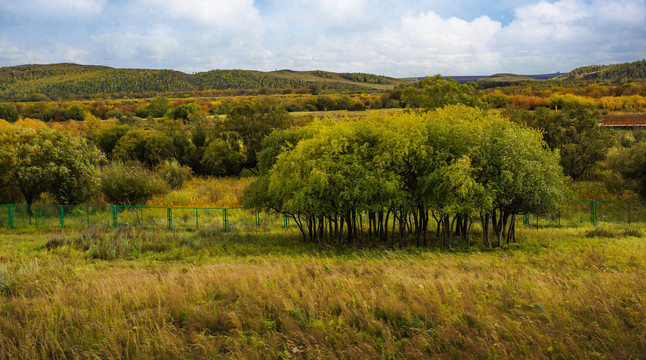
{"points": [[72, 80], [634, 71]]}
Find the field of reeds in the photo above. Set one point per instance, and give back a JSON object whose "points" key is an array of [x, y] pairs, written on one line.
{"points": [[128, 293]]}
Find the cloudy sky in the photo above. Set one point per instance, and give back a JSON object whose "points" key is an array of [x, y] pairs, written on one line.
{"points": [[395, 38]]}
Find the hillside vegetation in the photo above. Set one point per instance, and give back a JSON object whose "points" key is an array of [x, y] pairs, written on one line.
{"points": [[626, 71], [64, 80]]}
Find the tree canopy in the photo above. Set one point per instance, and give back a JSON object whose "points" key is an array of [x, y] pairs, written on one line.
{"points": [[452, 162], [436, 92], [37, 160]]}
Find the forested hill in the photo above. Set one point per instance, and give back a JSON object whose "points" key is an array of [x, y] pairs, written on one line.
{"points": [[71, 80], [635, 71]]}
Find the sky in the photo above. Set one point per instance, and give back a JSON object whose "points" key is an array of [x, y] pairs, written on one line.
{"points": [[394, 38]]}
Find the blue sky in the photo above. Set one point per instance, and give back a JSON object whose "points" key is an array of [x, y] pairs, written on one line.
{"points": [[395, 38]]}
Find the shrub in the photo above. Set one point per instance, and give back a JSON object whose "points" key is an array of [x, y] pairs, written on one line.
{"points": [[130, 183], [9, 113], [174, 173]]}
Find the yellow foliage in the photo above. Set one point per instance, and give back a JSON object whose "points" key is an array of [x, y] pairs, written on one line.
{"points": [[4, 123], [28, 122], [205, 192], [72, 126], [91, 123]]}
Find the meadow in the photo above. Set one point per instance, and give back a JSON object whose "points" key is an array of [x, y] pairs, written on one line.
{"points": [[571, 292]]}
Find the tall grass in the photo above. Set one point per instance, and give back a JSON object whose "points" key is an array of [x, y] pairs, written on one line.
{"points": [[557, 294], [204, 192]]}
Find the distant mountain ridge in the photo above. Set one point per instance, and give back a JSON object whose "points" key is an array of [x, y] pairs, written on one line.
{"points": [[62, 80]]}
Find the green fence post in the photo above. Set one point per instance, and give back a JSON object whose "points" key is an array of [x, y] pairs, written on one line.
{"points": [[170, 218], [62, 215], [10, 216], [114, 216], [286, 221], [197, 220], [87, 214], [628, 201], [36, 216], [225, 219], [559, 217], [594, 212], [526, 219]]}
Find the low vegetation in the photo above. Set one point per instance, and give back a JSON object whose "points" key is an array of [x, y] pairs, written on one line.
{"points": [[558, 293]]}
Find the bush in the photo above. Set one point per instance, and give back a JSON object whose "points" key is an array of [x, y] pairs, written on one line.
{"points": [[130, 183], [9, 113], [174, 173]]}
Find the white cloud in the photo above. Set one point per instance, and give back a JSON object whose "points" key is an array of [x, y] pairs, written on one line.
{"points": [[411, 37], [628, 13], [232, 15], [51, 10], [15, 55], [138, 48], [66, 53]]}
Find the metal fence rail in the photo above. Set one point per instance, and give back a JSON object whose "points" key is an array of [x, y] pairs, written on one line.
{"points": [[20, 216], [593, 212]]}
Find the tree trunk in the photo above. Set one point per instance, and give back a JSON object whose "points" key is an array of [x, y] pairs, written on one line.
{"points": [[299, 222], [484, 218], [425, 228]]}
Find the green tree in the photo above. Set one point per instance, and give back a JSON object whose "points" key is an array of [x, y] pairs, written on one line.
{"points": [[253, 121], [46, 160], [75, 112], [224, 155], [130, 183], [9, 113], [106, 138], [174, 173], [436, 92], [575, 133], [519, 171], [149, 147], [158, 107], [630, 163], [182, 112]]}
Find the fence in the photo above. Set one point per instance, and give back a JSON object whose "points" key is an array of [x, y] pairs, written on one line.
{"points": [[20, 216], [593, 212]]}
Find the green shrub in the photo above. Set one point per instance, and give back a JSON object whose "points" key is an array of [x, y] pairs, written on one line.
{"points": [[9, 113], [130, 183], [174, 173]]}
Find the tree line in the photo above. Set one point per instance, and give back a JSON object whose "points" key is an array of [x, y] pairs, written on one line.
{"points": [[61, 81]]}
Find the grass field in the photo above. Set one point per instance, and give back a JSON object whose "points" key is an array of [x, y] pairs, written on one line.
{"points": [[559, 293]]}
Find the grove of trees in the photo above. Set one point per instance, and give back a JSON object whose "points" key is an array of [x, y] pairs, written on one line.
{"points": [[457, 164]]}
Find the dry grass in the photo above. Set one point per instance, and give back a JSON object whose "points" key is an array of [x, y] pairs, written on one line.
{"points": [[558, 294], [205, 192]]}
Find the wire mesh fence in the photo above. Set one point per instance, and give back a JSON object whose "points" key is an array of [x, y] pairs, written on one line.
{"points": [[237, 219], [20, 216], [627, 212]]}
